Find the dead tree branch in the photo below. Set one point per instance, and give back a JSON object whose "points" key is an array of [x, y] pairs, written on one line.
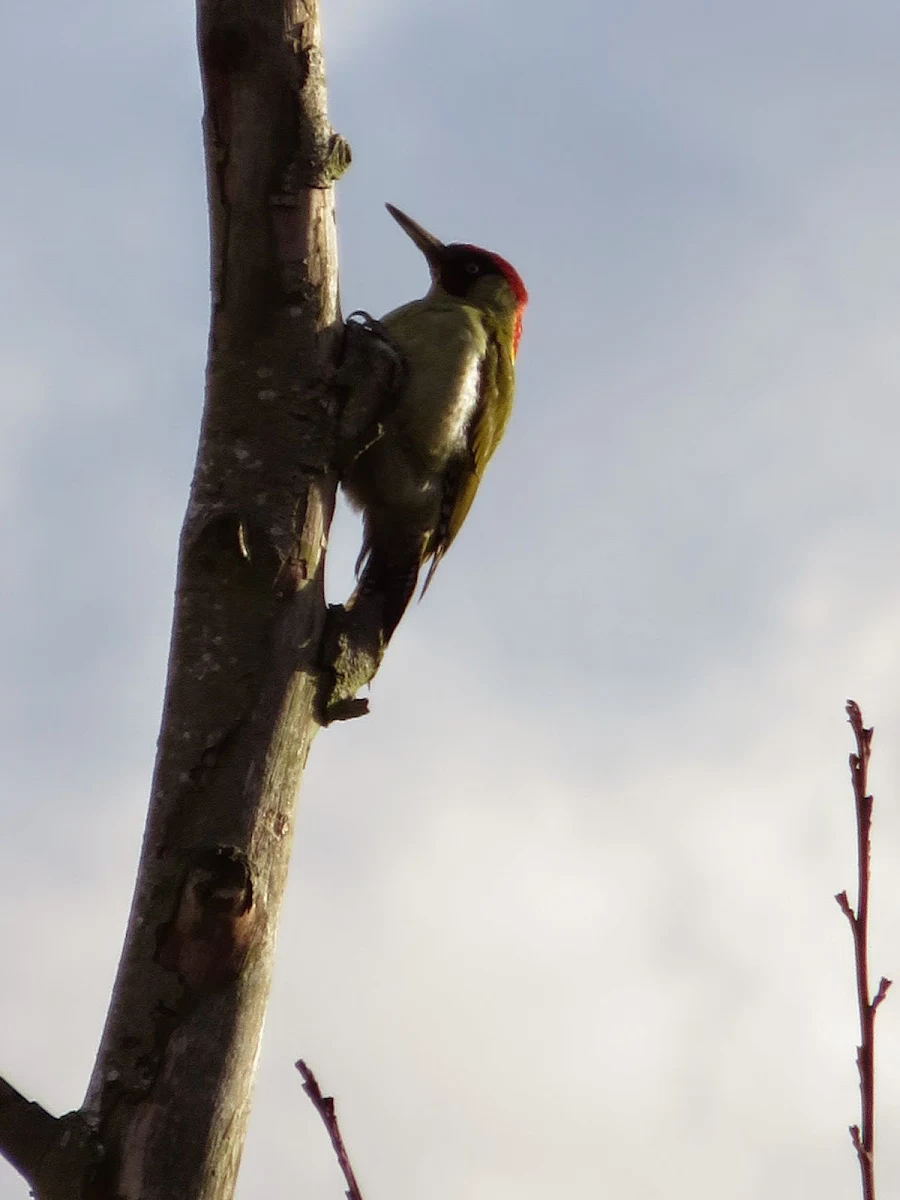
{"points": [[863, 1135], [169, 1097], [324, 1106]]}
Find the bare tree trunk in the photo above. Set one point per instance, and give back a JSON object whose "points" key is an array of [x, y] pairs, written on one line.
{"points": [[166, 1109]]}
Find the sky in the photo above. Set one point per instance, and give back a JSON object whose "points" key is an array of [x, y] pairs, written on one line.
{"points": [[560, 915]]}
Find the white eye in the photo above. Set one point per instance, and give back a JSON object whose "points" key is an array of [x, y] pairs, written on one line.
{"points": [[472, 268]]}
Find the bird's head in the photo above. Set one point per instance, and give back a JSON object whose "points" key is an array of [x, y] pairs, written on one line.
{"points": [[481, 277]]}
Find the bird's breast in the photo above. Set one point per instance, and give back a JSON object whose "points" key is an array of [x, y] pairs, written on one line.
{"points": [[444, 353]]}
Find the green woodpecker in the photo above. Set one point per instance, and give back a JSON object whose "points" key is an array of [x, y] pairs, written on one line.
{"points": [[416, 483]]}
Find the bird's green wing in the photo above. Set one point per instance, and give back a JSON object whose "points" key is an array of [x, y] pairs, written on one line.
{"points": [[485, 431]]}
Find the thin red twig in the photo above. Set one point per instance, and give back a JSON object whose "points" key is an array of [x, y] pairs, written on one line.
{"points": [[324, 1106], [863, 1136]]}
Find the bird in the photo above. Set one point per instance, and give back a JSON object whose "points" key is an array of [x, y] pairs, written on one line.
{"points": [[414, 483]]}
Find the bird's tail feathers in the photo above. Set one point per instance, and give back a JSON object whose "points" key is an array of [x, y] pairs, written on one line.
{"points": [[435, 559], [388, 571]]}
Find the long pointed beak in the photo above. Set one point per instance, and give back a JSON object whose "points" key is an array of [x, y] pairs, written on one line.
{"points": [[430, 246]]}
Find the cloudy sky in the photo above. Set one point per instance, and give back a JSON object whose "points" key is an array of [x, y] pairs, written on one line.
{"points": [[560, 919]]}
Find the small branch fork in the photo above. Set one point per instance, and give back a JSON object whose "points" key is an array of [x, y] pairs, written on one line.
{"points": [[324, 1106], [52, 1153], [863, 1136]]}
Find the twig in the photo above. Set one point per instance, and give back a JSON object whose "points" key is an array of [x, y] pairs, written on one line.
{"points": [[324, 1106], [26, 1131], [54, 1154], [863, 1136]]}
